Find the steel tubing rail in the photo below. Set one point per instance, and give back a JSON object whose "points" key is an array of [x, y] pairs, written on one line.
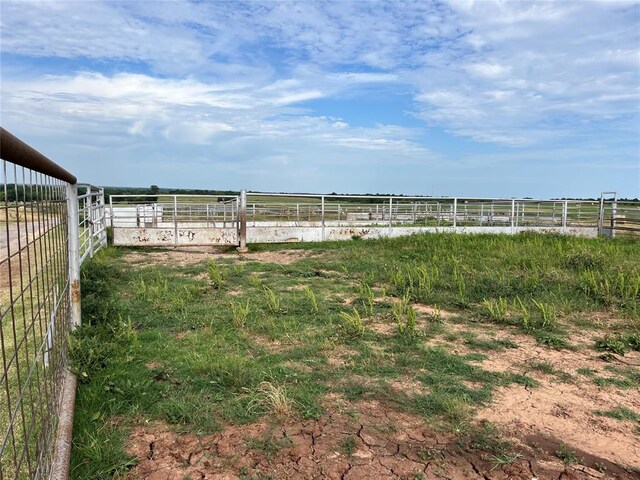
{"points": [[16, 151]]}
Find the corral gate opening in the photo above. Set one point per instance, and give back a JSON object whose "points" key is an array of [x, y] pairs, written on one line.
{"points": [[159, 220]]}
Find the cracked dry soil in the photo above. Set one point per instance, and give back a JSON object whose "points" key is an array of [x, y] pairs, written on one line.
{"points": [[365, 440]]}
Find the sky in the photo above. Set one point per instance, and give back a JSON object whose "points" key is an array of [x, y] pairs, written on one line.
{"points": [[461, 97]]}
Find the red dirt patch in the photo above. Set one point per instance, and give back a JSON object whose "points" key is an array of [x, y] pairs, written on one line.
{"points": [[369, 441], [564, 410]]}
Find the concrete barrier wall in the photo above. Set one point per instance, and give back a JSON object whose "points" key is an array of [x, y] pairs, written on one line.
{"points": [[272, 234], [269, 233], [156, 237]]}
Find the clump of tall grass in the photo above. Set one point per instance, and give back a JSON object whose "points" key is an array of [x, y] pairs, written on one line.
{"points": [[543, 317], [255, 280], [271, 398], [217, 274], [353, 322], [366, 298], [152, 290], [547, 315], [416, 281], [611, 288], [405, 316], [497, 310], [273, 300], [240, 313], [311, 296]]}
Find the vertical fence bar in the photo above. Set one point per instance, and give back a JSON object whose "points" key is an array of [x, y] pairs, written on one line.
{"points": [[175, 219], [390, 214], [614, 212], [91, 226], [455, 212], [513, 214], [322, 214], [565, 212], [242, 221], [601, 216]]}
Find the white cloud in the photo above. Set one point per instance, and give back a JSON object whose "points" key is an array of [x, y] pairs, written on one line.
{"points": [[235, 76], [488, 70]]}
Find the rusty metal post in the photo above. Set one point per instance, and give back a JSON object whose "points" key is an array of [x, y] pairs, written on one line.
{"points": [[73, 226], [62, 453], [242, 222]]}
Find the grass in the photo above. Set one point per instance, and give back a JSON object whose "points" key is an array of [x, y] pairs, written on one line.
{"points": [[567, 455], [169, 343], [620, 413]]}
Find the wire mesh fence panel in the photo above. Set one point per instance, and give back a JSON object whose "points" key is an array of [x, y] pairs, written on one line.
{"points": [[34, 306]]}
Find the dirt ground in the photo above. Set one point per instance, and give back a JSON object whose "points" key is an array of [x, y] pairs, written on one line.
{"points": [[366, 440], [185, 256]]}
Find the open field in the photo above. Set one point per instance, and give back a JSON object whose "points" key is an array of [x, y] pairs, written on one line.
{"points": [[431, 356]]}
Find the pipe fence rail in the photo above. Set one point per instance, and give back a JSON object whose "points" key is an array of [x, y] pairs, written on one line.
{"points": [[449, 211], [41, 247]]}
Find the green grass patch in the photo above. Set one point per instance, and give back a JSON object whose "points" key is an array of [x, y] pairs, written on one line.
{"points": [[620, 413], [216, 343]]}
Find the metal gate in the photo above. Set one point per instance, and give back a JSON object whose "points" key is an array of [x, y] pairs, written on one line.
{"points": [[618, 217], [170, 220]]}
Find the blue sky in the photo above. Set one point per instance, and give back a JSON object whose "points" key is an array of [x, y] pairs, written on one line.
{"points": [[463, 97]]}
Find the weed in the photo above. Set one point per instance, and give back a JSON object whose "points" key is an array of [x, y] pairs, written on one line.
{"points": [[217, 274], [504, 459], [405, 316], [547, 313], [313, 301], [255, 280], [272, 398], [273, 301], [611, 288], [366, 298], [240, 312], [269, 445], [496, 309], [618, 344], [568, 456], [348, 445], [353, 322], [436, 315]]}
